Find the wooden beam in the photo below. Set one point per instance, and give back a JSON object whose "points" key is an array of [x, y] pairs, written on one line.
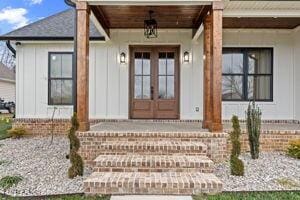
{"points": [[199, 21], [216, 70], [101, 18], [83, 32], [103, 32], [207, 91]]}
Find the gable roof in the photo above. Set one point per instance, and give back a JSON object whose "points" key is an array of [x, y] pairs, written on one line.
{"points": [[59, 26], [6, 73]]}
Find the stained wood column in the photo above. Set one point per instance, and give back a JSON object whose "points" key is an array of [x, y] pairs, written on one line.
{"points": [[216, 70], [207, 46], [83, 23]]}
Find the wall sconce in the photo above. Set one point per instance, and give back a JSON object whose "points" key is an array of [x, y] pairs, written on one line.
{"points": [[122, 58], [186, 57]]}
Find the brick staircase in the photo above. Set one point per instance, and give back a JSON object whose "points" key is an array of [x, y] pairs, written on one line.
{"points": [[149, 163]]}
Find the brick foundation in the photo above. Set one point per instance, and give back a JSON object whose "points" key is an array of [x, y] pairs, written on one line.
{"points": [[43, 127]]}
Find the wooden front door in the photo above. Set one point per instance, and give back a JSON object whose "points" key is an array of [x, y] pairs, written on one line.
{"points": [[154, 82]]}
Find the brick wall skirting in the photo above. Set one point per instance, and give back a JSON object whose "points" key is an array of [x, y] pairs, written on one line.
{"points": [[43, 127]]}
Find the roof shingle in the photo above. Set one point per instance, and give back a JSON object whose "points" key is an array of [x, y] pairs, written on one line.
{"points": [[58, 26]]}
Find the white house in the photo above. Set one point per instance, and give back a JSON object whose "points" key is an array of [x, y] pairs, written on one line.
{"points": [[7, 84], [157, 60]]}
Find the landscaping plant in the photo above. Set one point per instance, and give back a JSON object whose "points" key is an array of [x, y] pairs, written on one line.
{"points": [[77, 164], [17, 133], [253, 127], [294, 149], [5, 124], [236, 165], [8, 181]]}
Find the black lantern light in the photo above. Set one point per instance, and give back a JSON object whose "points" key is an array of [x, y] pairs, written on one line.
{"points": [[186, 57], [150, 26], [122, 58]]}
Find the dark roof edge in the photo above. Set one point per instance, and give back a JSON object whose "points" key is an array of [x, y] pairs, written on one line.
{"points": [[47, 38]]}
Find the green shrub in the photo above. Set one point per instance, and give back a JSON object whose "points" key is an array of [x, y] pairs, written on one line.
{"points": [[253, 127], [76, 168], [5, 125], [8, 181], [236, 165], [294, 149], [17, 132]]}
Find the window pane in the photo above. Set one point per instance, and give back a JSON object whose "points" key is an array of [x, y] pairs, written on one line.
{"points": [[232, 88], [66, 65], [55, 65], [138, 63], [146, 64], [260, 61], [67, 92], [262, 85], [162, 68], [138, 87], [170, 87], [162, 87], [233, 62], [55, 96], [146, 87]]}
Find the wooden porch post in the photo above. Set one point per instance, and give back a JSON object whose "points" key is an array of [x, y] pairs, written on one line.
{"points": [[207, 71], [83, 22], [216, 70]]}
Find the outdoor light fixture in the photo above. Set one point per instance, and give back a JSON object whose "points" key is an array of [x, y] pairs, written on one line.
{"points": [[122, 58], [186, 57], [150, 26]]}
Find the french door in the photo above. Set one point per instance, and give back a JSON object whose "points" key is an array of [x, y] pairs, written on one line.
{"points": [[154, 82]]}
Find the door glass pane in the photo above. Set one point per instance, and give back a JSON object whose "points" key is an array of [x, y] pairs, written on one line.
{"points": [[262, 87], [55, 65], [162, 68], [162, 93], [170, 87], [66, 69], [232, 87], [170, 64], [138, 87], [146, 64], [146, 87], [232, 62], [138, 64], [260, 61]]}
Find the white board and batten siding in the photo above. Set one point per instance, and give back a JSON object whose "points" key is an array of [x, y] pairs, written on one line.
{"points": [[109, 80]]}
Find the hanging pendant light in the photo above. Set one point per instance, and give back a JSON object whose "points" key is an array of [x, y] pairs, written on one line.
{"points": [[150, 26]]}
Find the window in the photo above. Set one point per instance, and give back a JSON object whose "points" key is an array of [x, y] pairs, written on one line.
{"points": [[60, 81], [247, 74]]}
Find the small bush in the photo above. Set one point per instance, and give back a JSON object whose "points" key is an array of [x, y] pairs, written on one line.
{"points": [[17, 132], [77, 163], [294, 149], [8, 181], [236, 165]]}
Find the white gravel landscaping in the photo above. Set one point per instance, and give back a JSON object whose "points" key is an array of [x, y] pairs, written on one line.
{"points": [[43, 166], [272, 171]]}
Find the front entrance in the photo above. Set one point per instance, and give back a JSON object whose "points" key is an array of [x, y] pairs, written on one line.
{"points": [[154, 82]]}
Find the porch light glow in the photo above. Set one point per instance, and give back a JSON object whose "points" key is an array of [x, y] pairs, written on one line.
{"points": [[186, 57], [150, 26], [122, 58]]}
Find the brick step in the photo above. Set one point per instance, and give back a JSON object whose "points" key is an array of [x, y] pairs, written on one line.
{"points": [[153, 147], [153, 163], [169, 183]]}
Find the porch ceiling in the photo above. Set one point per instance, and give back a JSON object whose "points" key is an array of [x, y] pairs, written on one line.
{"points": [[189, 16]]}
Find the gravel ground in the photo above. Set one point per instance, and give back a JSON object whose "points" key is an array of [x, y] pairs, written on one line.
{"points": [[272, 171], [43, 166]]}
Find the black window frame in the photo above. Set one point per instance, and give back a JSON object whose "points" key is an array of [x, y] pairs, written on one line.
{"points": [[245, 74], [50, 103]]}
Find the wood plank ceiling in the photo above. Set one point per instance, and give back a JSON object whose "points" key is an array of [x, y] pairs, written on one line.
{"points": [[166, 16]]}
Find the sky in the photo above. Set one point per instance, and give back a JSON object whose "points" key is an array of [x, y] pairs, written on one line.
{"points": [[17, 13]]}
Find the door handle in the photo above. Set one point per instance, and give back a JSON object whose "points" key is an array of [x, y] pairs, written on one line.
{"points": [[152, 92]]}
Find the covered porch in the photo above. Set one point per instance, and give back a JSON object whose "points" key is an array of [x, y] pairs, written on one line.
{"points": [[199, 16]]}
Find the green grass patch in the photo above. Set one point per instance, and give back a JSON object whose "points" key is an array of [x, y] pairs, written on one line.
{"points": [[4, 162], [250, 196], [5, 124], [287, 183], [9, 181]]}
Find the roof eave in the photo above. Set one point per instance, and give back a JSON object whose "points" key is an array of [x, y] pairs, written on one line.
{"points": [[47, 38]]}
